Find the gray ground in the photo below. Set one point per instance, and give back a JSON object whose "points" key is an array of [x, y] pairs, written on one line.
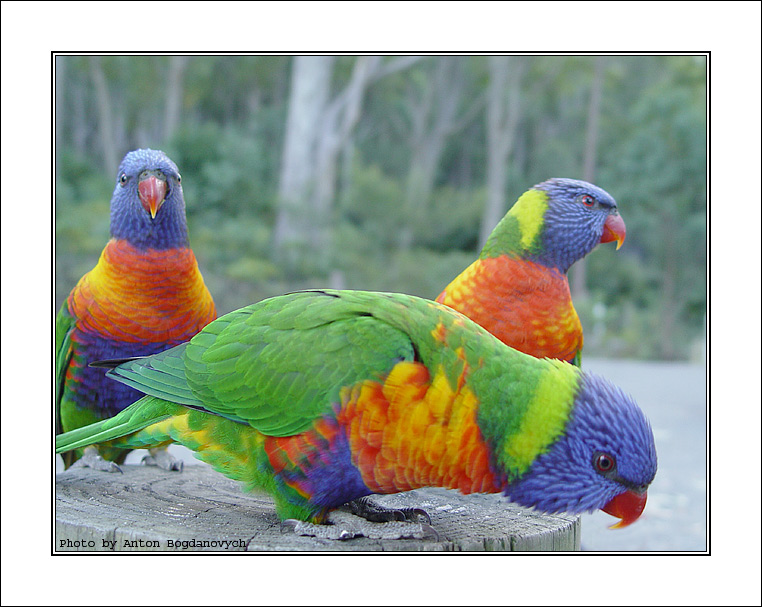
{"points": [[673, 396]]}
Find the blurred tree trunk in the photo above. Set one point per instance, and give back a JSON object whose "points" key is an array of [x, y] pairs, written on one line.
{"points": [[318, 128], [77, 116], [105, 115], [60, 107], [503, 110], [434, 118], [339, 120], [174, 101], [310, 86], [578, 282]]}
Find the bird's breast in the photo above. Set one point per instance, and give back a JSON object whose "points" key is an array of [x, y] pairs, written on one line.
{"points": [[142, 296], [526, 305]]}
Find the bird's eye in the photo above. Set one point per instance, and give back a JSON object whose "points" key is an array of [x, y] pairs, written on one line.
{"points": [[588, 200], [179, 179], [123, 179], [604, 462]]}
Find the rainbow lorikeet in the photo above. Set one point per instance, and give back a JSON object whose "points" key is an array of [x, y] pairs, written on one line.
{"points": [[518, 288], [324, 397], [145, 295]]}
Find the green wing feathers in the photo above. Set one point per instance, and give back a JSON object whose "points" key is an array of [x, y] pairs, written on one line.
{"points": [[161, 375], [65, 324], [280, 364]]}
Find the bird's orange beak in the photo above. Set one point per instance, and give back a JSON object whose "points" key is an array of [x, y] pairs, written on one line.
{"points": [[627, 506], [152, 192], [614, 229]]}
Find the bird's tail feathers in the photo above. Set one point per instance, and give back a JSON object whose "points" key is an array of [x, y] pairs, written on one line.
{"points": [[148, 410]]}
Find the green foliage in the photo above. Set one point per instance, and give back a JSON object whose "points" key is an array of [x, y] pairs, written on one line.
{"points": [[367, 235], [223, 169], [371, 205], [453, 220], [82, 220]]}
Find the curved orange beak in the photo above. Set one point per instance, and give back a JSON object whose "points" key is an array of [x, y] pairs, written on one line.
{"points": [[613, 229], [152, 192], [627, 506]]}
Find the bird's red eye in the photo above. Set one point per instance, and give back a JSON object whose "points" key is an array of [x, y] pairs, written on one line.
{"points": [[588, 200], [604, 462]]}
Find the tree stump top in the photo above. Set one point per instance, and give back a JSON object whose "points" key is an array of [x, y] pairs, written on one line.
{"points": [[199, 509]]}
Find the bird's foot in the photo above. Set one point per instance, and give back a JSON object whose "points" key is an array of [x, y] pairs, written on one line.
{"points": [[91, 458], [162, 458], [345, 526], [371, 511]]}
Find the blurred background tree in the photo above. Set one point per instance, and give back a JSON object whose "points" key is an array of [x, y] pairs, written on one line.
{"points": [[387, 173]]}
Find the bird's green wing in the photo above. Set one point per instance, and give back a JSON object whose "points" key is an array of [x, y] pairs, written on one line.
{"points": [[65, 324], [276, 365]]}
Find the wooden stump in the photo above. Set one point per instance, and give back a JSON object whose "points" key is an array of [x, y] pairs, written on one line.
{"points": [[199, 509]]}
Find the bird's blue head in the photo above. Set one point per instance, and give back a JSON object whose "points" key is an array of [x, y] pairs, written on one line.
{"points": [[579, 215], [147, 207], [606, 458]]}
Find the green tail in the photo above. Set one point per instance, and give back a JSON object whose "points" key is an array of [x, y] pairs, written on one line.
{"points": [[148, 410]]}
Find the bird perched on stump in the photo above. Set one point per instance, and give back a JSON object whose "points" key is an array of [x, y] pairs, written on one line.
{"points": [[145, 295], [321, 398], [518, 288]]}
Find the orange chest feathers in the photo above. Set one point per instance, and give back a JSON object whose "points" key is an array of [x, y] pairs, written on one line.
{"points": [[524, 304], [136, 296]]}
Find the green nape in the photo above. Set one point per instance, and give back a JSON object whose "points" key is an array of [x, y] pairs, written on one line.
{"points": [[519, 230], [527, 409]]}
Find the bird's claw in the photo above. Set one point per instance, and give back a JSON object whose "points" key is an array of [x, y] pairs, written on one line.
{"points": [[163, 459], [371, 511], [91, 458]]}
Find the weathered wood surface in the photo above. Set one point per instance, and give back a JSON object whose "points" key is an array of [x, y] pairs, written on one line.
{"points": [[198, 509]]}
